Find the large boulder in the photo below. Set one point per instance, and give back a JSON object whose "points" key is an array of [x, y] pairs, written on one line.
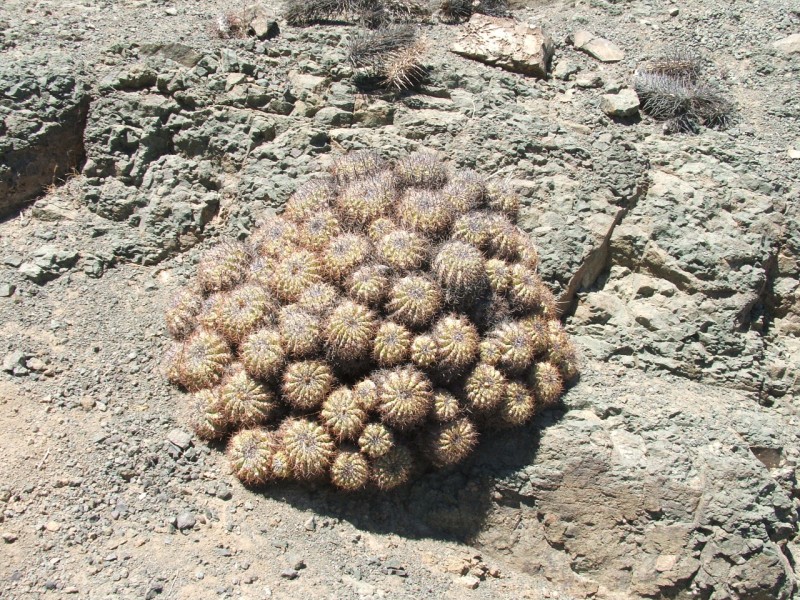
{"points": [[44, 99]]}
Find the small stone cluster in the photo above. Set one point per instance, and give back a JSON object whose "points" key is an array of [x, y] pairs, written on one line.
{"points": [[389, 315]]}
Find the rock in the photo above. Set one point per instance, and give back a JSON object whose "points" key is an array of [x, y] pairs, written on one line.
{"points": [[373, 113], [15, 362], [179, 53], [33, 272], [44, 99], [261, 22], [623, 104], [707, 513], [7, 290], [223, 491], [52, 526], [599, 48], [290, 574], [507, 44], [296, 562], [185, 520], [180, 438], [589, 80], [564, 70], [788, 45], [469, 581], [9, 538], [332, 117], [310, 524]]}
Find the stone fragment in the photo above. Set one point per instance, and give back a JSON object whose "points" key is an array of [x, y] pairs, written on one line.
{"points": [[179, 438], [15, 363], [469, 581], [7, 290], [788, 45], [261, 22], [185, 520], [507, 44], [598, 47], [623, 104]]}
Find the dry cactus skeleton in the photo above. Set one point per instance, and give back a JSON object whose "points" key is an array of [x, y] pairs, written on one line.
{"points": [[389, 318]]}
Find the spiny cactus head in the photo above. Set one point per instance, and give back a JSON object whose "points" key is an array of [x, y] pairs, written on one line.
{"points": [[344, 254], [242, 311], [424, 351], [250, 453], [525, 292], [245, 401], [498, 274], [464, 192], [204, 357], [518, 405], [452, 442], [424, 211], [405, 395], [309, 199], [319, 299], [402, 250], [379, 228], [343, 415], [515, 346], [274, 237], [474, 228], [262, 354], [414, 300], [393, 469], [208, 416], [181, 316], [376, 440], [281, 467], [294, 274], [561, 351], [421, 169], [306, 384], [502, 197], [223, 266], [392, 344], [457, 341], [365, 200], [504, 237], [460, 269], [485, 388], [366, 394], [349, 332], [548, 384], [369, 285], [357, 165], [445, 406], [308, 447], [538, 330], [527, 254], [349, 471], [301, 331], [402, 69], [319, 229]]}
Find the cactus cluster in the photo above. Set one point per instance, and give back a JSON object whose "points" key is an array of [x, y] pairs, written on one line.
{"points": [[673, 89], [386, 320]]}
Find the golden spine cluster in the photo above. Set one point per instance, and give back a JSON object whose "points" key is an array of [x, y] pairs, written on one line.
{"points": [[389, 317]]}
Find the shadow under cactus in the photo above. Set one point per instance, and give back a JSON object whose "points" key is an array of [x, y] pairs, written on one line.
{"points": [[448, 504]]}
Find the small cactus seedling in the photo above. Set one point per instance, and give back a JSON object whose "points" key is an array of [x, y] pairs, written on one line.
{"points": [[391, 317]]}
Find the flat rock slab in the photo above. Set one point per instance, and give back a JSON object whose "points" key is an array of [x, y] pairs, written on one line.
{"points": [[598, 47], [507, 44]]}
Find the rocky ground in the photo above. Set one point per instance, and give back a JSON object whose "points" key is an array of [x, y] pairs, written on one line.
{"points": [[670, 470]]}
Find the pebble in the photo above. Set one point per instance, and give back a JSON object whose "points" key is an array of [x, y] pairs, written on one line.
{"points": [[185, 520], [290, 574], [296, 562], [311, 524], [7, 290], [224, 491], [52, 526], [179, 438], [9, 538]]}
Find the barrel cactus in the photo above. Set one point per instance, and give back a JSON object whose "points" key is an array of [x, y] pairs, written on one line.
{"points": [[389, 318]]}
